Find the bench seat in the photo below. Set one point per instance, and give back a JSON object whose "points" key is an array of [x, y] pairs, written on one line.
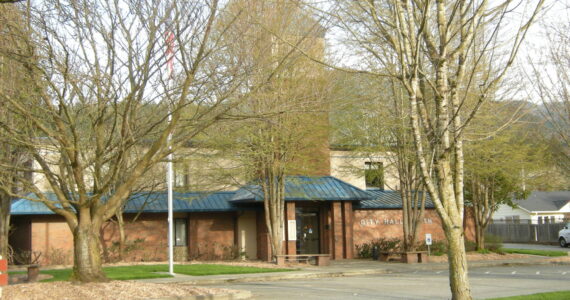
{"points": [[320, 259], [409, 257]]}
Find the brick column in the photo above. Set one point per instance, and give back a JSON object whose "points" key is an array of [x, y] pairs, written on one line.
{"points": [[337, 231], [348, 218], [290, 246]]}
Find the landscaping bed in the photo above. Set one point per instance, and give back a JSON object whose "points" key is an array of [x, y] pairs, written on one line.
{"points": [[475, 256], [127, 290]]}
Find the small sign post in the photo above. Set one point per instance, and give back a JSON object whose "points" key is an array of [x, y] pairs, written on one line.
{"points": [[428, 241]]}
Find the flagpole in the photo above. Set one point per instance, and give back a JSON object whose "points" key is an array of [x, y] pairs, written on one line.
{"points": [[170, 171], [170, 213]]}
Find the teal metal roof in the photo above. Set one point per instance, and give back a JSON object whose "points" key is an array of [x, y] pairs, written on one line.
{"points": [[151, 202], [182, 202], [304, 188], [386, 199], [27, 207], [297, 188]]}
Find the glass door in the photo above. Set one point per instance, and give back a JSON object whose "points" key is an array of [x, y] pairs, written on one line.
{"points": [[308, 241]]}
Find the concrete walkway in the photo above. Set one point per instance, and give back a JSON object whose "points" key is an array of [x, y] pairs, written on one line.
{"points": [[341, 268]]}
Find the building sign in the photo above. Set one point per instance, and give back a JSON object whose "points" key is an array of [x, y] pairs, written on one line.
{"points": [[292, 230], [428, 239], [386, 221]]}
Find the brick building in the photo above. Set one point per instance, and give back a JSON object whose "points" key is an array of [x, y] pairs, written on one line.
{"points": [[323, 215]]}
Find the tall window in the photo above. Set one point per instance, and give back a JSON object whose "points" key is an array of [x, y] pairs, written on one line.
{"points": [[180, 236], [181, 177], [374, 175]]}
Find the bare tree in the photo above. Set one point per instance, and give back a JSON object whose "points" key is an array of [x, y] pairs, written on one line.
{"points": [[13, 82], [433, 43], [282, 126], [370, 115], [549, 81], [97, 117]]}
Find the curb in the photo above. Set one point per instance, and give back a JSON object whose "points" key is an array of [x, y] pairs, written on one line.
{"points": [[238, 295], [285, 277], [477, 264]]}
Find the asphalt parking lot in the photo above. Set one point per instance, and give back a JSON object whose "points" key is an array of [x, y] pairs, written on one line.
{"points": [[486, 282]]}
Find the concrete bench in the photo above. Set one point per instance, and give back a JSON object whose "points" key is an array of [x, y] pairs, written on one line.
{"points": [[320, 259], [409, 257]]}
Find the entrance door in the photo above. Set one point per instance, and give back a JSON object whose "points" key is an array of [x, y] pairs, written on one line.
{"points": [[307, 230]]}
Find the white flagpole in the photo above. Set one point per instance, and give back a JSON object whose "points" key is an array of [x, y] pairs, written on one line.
{"points": [[170, 171], [170, 214]]}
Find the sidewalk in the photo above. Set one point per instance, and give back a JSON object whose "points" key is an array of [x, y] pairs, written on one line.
{"points": [[341, 268]]}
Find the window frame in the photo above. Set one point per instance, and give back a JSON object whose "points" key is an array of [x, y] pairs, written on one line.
{"points": [[374, 166], [184, 239]]}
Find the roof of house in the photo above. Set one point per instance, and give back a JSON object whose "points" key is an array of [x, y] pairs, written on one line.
{"points": [[544, 201], [387, 199], [305, 188], [150, 202], [297, 188]]}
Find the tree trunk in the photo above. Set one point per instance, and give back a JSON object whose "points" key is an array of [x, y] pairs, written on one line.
{"points": [[87, 265], [122, 236], [4, 224], [274, 207], [480, 237], [458, 281]]}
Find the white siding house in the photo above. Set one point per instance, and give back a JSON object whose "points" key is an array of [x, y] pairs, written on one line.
{"points": [[539, 207]]}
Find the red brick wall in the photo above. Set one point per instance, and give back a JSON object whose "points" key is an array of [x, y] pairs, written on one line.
{"points": [[290, 246], [212, 235], [151, 231], [337, 230], [348, 226], [374, 224], [51, 236]]}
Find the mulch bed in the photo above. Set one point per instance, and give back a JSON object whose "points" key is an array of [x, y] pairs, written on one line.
{"points": [[127, 290]]}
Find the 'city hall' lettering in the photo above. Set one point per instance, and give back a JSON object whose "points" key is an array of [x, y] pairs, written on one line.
{"points": [[374, 222]]}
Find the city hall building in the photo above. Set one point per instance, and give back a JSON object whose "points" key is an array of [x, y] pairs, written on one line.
{"points": [[323, 215]]}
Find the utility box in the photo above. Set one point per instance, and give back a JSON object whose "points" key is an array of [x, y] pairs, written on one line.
{"points": [[3, 271]]}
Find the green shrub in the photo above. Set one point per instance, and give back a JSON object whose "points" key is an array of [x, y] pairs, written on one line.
{"points": [[483, 251], [438, 248], [470, 245], [383, 244], [365, 250]]}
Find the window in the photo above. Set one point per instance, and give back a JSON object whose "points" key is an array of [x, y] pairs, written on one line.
{"points": [[374, 175], [181, 177], [180, 232]]}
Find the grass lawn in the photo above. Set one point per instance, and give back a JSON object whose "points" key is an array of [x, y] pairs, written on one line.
{"points": [[148, 271], [536, 252], [541, 296]]}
